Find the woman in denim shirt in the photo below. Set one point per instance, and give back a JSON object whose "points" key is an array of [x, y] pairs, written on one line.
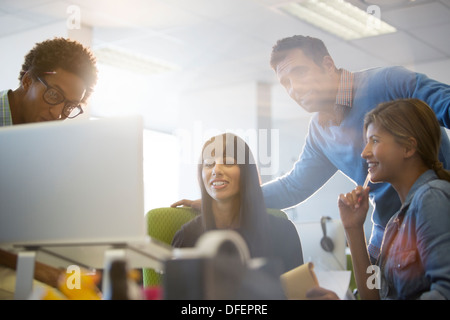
{"points": [[403, 138]]}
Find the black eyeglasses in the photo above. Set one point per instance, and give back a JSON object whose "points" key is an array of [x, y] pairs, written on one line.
{"points": [[53, 96]]}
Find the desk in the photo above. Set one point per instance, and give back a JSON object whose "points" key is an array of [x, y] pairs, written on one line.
{"points": [[145, 254], [217, 245]]}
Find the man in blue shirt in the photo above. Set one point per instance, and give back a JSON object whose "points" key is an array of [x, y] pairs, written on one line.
{"points": [[340, 99]]}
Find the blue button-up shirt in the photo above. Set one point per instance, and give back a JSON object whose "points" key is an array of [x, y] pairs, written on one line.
{"points": [[415, 254]]}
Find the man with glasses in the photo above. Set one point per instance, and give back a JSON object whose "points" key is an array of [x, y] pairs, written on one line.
{"points": [[56, 80]]}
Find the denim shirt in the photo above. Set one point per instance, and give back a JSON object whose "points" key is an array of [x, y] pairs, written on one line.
{"points": [[415, 254]]}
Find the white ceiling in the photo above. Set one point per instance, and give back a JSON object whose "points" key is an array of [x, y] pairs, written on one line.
{"points": [[216, 42]]}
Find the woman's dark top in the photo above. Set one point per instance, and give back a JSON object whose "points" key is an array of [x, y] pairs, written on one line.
{"points": [[283, 235]]}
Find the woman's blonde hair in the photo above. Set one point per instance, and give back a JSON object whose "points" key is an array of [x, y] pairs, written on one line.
{"points": [[406, 118]]}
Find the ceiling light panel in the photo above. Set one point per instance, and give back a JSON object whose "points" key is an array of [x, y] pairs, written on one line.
{"points": [[132, 61], [339, 17]]}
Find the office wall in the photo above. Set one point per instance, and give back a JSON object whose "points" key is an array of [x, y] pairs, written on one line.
{"points": [[16, 46]]}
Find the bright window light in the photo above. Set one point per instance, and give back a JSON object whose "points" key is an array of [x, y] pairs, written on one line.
{"points": [[122, 92], [161, 169], [339, 18]]}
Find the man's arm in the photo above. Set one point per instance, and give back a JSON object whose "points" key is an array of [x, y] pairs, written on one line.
{"points": [[308, 175], [404, 83], [437, 95]]}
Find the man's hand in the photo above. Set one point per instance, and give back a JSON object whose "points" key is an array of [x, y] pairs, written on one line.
{"points": [[194, 204]]}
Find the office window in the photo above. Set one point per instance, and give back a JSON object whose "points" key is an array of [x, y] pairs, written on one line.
{"points": [[121, 92], [161, 169]]}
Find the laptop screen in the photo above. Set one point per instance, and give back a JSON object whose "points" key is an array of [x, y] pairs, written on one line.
{"points": [[72, 182]]}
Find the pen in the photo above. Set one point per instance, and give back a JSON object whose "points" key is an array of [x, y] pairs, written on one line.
{"points": [[366, 183]]}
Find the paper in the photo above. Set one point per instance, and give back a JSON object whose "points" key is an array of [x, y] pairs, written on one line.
{"points": [[337, 281], [298, 281]]}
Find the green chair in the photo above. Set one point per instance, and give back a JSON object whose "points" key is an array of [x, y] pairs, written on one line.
{"points": [[163, 223]]}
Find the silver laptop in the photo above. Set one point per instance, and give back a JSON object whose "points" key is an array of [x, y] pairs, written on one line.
{"points": [[72, 182]]}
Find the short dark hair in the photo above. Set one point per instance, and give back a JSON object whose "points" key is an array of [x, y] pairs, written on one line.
{"points": [[312, 47], [66, 54]]}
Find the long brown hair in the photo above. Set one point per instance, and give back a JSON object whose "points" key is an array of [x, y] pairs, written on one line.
{"points": [[406, 118], [253, 212]]}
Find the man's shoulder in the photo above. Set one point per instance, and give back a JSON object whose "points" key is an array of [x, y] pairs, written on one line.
{"points": [[385, 79], [392, 70]]}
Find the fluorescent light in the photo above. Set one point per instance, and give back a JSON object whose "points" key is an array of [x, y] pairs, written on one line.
{"points": [[385, 3], [339, 18], [132, 61]]}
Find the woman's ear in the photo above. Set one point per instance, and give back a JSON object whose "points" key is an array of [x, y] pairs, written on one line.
{"points": [[410, 147]]}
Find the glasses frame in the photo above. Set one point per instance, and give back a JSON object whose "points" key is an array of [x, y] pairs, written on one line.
{"points": [[65, 110]]}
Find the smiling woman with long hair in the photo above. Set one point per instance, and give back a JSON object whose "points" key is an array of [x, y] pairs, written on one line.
{"points": [[403, 139], [232, 199]]}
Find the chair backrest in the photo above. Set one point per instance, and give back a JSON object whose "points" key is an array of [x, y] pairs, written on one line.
{"points": [[277, 213], [163, 223]]}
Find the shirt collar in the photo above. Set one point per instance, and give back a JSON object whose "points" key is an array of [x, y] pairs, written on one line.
{"points": [[5, 110], [344, 99], [345, 90], [425, 177]]}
